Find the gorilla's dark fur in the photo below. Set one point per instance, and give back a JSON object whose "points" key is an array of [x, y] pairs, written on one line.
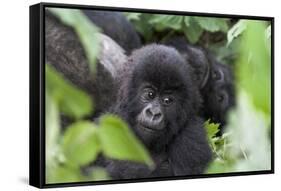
{"points": [[171, 130], [215, 80], [116, 26]]}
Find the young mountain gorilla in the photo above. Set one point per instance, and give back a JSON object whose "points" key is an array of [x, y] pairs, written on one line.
{"points": [[160, 102]]}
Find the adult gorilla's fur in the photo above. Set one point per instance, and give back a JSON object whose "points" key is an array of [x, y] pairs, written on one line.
{"points": [[181, 148]]}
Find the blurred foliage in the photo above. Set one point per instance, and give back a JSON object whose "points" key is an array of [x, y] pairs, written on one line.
{"points": [[73, 102], [246, 144]]}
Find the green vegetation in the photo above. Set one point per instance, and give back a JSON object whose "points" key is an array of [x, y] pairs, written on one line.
{"points": [[246, 144]]}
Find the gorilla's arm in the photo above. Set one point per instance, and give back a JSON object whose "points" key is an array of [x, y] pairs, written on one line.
{"points": [[129, 170], [189, 153]]}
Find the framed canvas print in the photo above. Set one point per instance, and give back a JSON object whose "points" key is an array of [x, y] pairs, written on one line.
{"points": [[129, 95]]}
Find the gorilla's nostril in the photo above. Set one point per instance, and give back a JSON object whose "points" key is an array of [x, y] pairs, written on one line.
{"points": [[157, 116], [149, 113]]}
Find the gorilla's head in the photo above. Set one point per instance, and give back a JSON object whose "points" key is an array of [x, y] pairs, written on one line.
{"points": [[219, 92], [161, 95]]}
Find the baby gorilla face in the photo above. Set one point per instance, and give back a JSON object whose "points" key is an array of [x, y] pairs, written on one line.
{"points": [[152, 116], [161, 94], [152, 122]]}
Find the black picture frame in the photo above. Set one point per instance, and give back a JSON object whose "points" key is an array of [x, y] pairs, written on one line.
{"points": [[37, 94]]}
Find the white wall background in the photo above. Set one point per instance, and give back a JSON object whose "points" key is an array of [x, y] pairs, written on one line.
{"points": [[14, 89]]}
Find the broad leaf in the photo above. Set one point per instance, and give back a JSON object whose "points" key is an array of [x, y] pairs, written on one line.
{"points": [[211, 128], [193, 32], [72, 101], [254, 66], [80, 143], [119, 142]]}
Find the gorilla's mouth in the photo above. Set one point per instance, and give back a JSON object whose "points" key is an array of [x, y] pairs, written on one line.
{"points": [[151, 129]]}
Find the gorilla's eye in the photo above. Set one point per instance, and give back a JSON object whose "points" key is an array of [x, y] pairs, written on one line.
{"points": [[167, 100], [151, 94]]}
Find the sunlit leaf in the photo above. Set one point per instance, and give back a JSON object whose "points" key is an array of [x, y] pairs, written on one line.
{"points": [[119, 142], [254, 66], [80, 143], [212, 129]]}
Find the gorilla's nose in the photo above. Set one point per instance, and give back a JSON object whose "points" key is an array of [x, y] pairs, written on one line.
{"points": [[154, 114]]}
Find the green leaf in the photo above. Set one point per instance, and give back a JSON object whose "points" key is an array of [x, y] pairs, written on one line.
{"points": [[143, 27], [118, 142], [211, 128], [268, 32], [64, 174], [52, 135], [52, 125], [84, 28], [162, 22], [236, 30], [212, 24], [72, 101], [187, 21], [219, 166], [254, 66], [193, 32], [80, 143]]}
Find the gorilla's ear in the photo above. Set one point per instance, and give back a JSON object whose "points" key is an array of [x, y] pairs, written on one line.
{"points": [[200, 63]]}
